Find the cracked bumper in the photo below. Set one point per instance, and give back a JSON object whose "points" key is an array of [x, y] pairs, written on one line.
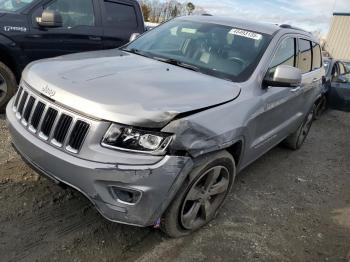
{"points": [[157, 183]]}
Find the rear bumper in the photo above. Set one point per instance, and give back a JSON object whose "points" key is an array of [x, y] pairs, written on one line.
{"points": [[156, 184]]}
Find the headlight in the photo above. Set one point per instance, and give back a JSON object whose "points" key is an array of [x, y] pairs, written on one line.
{"points": [[132, 139]]}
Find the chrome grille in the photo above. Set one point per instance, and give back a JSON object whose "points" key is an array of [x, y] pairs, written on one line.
{"points": [[62, 128], [22, 103], [28, 109], [49, 122], [19, 93]]}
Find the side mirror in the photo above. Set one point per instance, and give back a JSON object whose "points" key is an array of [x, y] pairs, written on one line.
{"points": [[134, 36], [50, 18], [284, 76]]}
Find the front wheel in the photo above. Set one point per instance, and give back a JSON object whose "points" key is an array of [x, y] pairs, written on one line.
{"points": [[8, 85], [201, 196]]}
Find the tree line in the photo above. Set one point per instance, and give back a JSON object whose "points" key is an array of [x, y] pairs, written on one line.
{"points": [[159, 11]]}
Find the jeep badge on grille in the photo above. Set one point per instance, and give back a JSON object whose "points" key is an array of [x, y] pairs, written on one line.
{"points": [[48, 91]]}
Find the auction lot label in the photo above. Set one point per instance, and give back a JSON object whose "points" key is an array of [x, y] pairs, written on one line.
{"points": [[245, 33]]}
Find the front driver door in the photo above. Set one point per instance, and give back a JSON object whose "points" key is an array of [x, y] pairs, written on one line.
{"points": [[81, 30], [283, 106], [339, 93]]}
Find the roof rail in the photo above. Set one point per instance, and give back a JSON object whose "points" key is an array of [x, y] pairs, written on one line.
{"points": [[292, 27]]}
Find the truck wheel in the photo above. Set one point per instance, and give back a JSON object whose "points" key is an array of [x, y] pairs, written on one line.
{"points": [[297, 139], [201, 196], [8, 85]]}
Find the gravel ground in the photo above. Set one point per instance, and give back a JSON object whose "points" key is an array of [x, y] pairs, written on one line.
{"points": [[287, 206]]}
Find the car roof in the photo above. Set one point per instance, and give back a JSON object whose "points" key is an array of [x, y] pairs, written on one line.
{"points": [[265, 28]]}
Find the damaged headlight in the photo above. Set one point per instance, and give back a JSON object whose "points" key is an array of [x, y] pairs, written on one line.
{"points": [[133, 139]]}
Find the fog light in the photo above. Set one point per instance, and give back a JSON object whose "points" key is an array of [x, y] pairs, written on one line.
{"points": [[126, 196]]}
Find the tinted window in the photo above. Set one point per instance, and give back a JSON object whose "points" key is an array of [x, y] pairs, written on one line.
{"points": [[13, 6], [285, 55], [342, 69], [345, 78], [212, 49], [120, 15], [305, 59], [347, 66], [74, 13], [316, 56]]}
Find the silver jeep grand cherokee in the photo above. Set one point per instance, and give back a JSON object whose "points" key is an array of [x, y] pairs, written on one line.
{"points": [[155, 132]]}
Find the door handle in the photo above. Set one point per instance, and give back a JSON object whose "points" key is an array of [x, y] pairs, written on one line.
{"points": [[95, 38], [315, 80], [296, 89]]}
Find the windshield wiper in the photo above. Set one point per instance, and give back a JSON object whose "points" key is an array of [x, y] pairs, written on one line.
{"points": [[137, 52], [177, 63]]}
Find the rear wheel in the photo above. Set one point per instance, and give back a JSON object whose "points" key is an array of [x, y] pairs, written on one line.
{"points": [[321, 107], [8, 85], [202, 195], [297, 139]]}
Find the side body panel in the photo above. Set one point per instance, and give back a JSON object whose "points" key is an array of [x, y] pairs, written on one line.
{"points": [[259, 118]]}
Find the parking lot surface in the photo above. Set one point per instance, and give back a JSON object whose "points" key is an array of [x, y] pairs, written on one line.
{"points": [[287, 206]]}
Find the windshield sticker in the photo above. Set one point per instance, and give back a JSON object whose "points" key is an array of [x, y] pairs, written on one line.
{"points": [[247, 34], [188, 30], [15, 28]]}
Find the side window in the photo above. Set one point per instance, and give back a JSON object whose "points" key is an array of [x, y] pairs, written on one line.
{"points": [[334, 71], [305, 58], [120, 15], [285, 55], [316, 56], [342, 69], [74, 13]]}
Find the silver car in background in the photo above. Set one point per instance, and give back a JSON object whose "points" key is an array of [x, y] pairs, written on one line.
{"points": [[154, 133]]}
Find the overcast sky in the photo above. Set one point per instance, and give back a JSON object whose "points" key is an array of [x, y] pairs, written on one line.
{"points": [[312, 15]]}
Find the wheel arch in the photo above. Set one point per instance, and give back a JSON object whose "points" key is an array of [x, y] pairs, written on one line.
{"points": [[9, 61], [236, 151]]}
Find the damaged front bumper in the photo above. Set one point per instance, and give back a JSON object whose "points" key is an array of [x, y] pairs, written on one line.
{"points": [[146, 190]]}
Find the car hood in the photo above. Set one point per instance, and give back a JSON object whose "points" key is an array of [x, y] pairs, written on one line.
{"points": [[121, 87]]}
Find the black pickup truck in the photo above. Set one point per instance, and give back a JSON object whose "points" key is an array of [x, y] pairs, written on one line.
{"points": [[36, 29]]}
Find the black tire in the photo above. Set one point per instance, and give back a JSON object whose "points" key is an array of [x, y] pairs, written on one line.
{"points": [[8, 85], [297, 139], [222, 163], [320, 107]]}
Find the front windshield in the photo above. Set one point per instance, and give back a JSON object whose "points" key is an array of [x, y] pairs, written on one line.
{"points": [[222, 51], [13, 5]]}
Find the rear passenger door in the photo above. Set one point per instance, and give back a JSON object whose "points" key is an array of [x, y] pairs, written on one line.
{"points": [[310, 64], [120, 20]]}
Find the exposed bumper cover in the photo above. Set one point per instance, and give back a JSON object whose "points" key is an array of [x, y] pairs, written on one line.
{"points": [[157, 183]]}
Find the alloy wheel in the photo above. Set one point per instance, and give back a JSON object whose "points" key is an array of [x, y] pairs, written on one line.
{"points": [[205, 197]]}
